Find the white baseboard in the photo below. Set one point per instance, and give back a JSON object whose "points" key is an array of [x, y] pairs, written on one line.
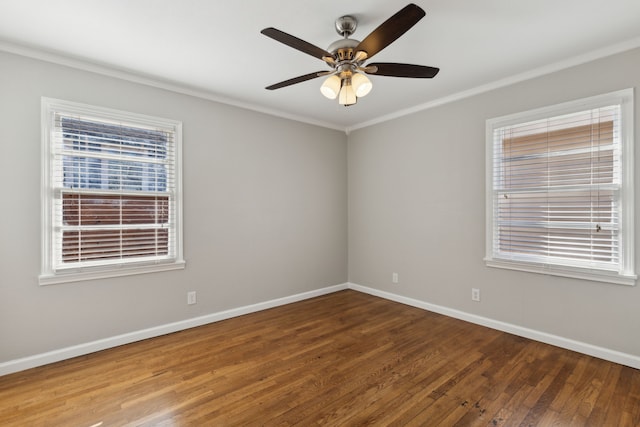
{"points": [[79, 350], [569, 344]]}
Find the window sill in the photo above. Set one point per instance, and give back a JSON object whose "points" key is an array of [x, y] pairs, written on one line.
{"points": [[574, 273], [78, 276]]}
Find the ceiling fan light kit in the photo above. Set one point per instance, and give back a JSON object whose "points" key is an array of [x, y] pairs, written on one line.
{"points": [[347, 87], [347, 94], [361, 84], [346, 57], [331, 87]]}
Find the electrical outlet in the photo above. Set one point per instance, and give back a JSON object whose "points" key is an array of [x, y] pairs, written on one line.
{"points": [[394, 277], [191, 297], [475, 294]]}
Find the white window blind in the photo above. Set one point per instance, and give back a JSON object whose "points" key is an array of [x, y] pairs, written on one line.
{"points": [[112, 185], [558, 189]]}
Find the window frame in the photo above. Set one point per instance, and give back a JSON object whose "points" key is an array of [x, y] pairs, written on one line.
{"points": [[626, 273], [49, 275]]}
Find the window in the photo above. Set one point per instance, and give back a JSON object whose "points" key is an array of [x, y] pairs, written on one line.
{"points": [[111, 193], [560, 190]]}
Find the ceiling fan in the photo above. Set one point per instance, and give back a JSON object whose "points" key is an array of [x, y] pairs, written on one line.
{"points": [[346, 57]]}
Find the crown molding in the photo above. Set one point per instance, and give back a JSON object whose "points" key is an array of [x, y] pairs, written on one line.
{"points": [[147, 80], [517, 78], [135, 77]]}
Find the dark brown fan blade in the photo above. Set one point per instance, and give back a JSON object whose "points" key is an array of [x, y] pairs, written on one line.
{"points": [[295, 80], [391, 29], [403, 70], [295, 43]]}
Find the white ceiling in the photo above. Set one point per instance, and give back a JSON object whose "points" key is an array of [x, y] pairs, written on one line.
{"points": [[215, 48]]}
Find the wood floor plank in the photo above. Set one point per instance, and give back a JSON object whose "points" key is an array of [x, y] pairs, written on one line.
{"points": [[341, 359]]}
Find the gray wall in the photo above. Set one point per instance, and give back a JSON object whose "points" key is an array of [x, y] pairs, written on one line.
{"points": [[266, 207], [265, 213], [417, 207]]}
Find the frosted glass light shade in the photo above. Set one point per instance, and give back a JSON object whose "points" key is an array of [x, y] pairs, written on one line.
{"points": [[361, 84], [331, 87], [347, 95]]}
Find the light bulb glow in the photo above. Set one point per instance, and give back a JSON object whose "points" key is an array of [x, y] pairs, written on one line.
{"points": [[361, 84], [347, 95], [331, 87]]}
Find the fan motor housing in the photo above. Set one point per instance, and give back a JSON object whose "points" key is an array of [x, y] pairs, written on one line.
{"points": [[343, 49]]}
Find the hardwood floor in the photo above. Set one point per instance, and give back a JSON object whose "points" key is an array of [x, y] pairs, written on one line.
{"points": [[342, 359]]}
